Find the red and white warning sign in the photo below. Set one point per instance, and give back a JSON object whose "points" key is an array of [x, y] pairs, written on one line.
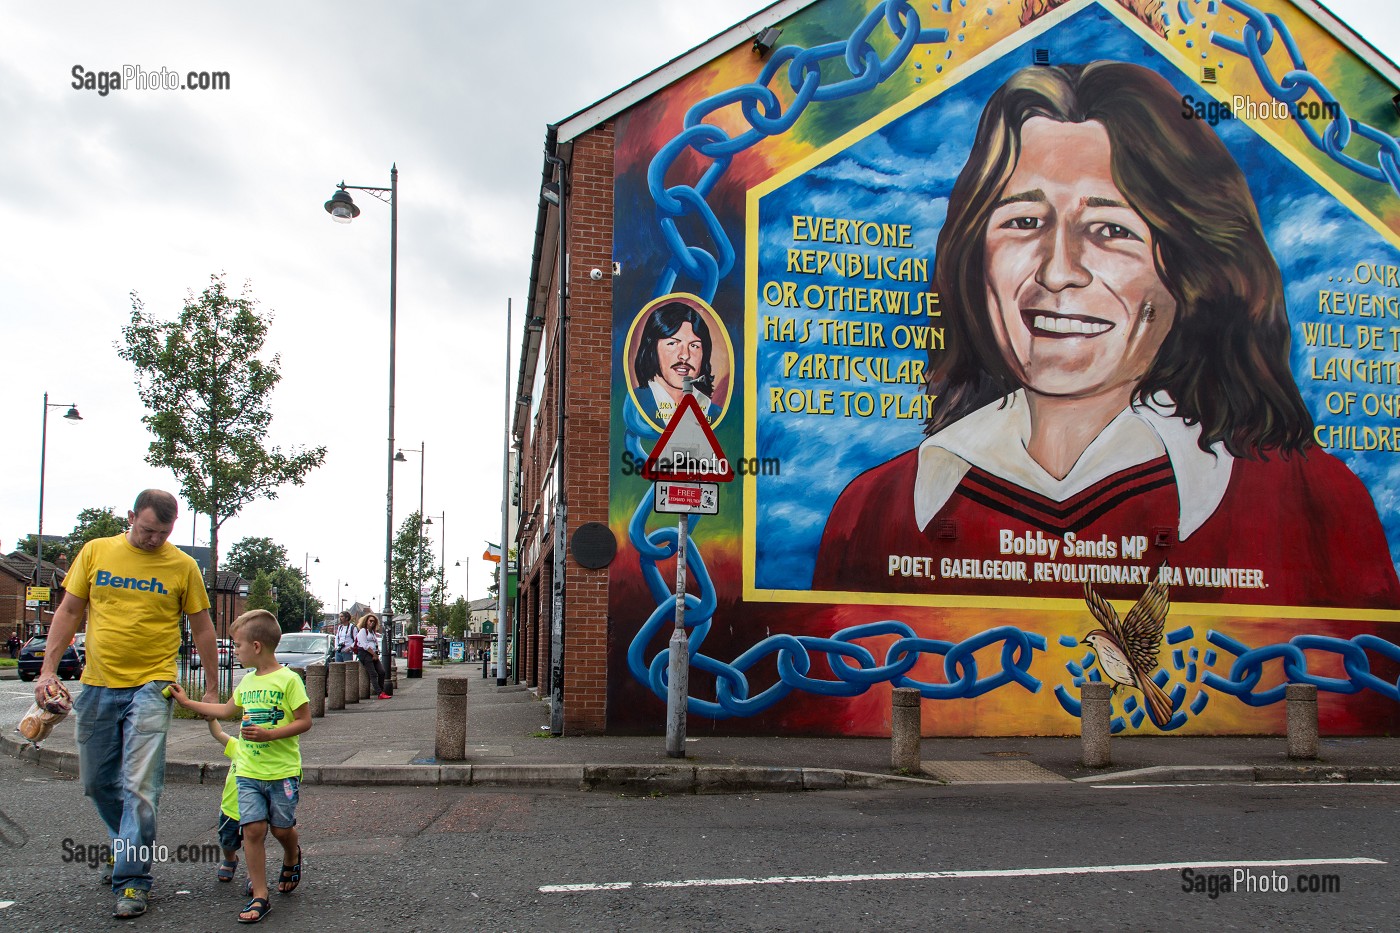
{"points": [[687, 450], [688, 498]]}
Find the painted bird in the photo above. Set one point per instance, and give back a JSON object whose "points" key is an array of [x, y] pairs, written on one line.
{"points": [[1127, 650]]}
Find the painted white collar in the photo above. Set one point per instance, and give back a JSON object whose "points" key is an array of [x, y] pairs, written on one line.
{"points": [[661, 397], [993, 438]]}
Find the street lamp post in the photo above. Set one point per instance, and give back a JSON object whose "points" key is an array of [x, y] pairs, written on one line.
{"points": [[305, 583], [421, 451], [442, 559], [71, 415], [343, 210]]}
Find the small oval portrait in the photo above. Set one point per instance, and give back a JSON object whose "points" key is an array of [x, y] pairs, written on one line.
{"points": [[675, 337]]}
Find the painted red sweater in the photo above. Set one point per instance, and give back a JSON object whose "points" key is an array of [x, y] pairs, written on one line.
{"points": [[1300, 531]]}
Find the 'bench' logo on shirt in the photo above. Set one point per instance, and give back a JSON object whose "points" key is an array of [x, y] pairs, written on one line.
{"points": [[152, 585]]}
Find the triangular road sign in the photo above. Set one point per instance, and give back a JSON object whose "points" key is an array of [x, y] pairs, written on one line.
{"points": [[687, 450]]}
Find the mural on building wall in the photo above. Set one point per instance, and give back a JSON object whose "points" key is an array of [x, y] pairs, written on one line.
{"points": [[1049, 311]]}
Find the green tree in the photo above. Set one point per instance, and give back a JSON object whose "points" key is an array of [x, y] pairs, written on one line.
{"points": [[413, 567], [207, 389], [260, 593], [53, 546], [457, 619], [251, 555], [95, 523]]}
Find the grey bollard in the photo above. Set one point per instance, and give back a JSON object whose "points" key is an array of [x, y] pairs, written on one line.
{"points": [[451, 742], [364, 681], [905, 725], [335, 685], [1301, 700], [352, 681], [1094, 724], [316, 690]]}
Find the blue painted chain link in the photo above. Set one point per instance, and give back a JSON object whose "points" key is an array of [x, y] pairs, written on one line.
{"points": [[766, 117], [1249, 666], [1256, 39], [794, 652]]}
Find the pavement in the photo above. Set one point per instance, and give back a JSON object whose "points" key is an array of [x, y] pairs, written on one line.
{"points": [[391, 742]]}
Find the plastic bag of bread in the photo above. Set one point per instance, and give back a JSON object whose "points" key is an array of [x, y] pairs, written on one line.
{"points": [[38, 722]]}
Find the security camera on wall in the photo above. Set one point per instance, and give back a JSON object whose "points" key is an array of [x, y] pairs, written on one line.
{"points": [[595, 274]]}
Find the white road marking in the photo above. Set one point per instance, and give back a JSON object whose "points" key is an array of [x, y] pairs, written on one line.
{"points": [[1314, 784], [937, 875], [4, 904]]}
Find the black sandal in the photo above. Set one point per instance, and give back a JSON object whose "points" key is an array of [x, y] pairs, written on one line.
{"points": [[291, 874], [227, 868], [253, 908]]}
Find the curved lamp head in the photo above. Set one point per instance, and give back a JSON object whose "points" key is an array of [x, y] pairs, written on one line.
{"points": [[400, 458], [72, 414], [341, 208]]}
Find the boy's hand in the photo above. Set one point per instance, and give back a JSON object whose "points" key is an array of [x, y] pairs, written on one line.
{"points": [[255, 733]]}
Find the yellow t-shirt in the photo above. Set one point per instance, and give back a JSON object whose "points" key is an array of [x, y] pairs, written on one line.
{"points": [[229, 803], [135, 599], [270, 700]]}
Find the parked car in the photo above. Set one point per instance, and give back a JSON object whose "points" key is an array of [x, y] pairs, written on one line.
{"points": [[31, 660], [299, 649], [225, 654]]}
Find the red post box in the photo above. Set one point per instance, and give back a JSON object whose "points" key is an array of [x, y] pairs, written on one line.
{"points": [[415, 656]]}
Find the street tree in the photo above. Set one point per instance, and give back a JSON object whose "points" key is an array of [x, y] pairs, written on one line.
{"points": [[53, 546], [457, 619], [249, 555], [413, 567], [207, 388], [95, 523], [260, 593]]}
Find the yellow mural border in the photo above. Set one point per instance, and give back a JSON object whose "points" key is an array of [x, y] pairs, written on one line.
{"points": [[941, 84]]}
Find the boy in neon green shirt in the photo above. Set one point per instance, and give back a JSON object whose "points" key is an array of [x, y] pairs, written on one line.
{"points": [[273, 703]]}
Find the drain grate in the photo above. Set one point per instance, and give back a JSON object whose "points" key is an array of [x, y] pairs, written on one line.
{"points": [[990, 772]]}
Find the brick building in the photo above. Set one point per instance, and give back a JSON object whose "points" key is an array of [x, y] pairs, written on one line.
{"points": [[767, 213], [16, 574]]}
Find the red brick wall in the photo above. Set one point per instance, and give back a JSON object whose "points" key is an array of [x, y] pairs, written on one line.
{"points": [[589, 334]]}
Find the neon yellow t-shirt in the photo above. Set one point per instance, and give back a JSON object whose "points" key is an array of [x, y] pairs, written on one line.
{"points": [[269, 700], [230, 802], [135, 599]]}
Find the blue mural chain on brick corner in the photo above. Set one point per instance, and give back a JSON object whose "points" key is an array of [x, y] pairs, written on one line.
{"points": [[763, 112], [1256, 39], [794, 652]]}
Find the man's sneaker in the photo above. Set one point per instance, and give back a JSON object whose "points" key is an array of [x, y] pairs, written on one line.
{"points": [[385, 696], [132, 903]]}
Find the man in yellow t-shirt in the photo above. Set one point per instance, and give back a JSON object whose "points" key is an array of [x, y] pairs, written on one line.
{"points": [[134, 587]]}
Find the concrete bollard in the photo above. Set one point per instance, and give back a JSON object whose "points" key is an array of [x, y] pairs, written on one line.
{"points": [[906, 724], [335, 685], [1301, 700], [316, 690], [352, 681], [1094, 724], [364, 681], [451, 743]]}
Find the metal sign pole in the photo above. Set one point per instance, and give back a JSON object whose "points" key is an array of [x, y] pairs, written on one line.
{"points": [[678, 672], [678, 685]]}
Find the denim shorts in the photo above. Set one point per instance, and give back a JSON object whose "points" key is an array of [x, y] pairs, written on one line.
{"points": [[230, 833], [272, 801]]}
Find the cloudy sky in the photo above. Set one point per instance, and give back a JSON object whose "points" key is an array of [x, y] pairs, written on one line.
{"points": [[153, 191]]}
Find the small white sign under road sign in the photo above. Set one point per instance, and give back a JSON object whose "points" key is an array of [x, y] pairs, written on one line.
{"points": [[688, 498]]}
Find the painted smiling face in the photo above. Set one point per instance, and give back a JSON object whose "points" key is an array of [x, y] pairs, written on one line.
{"points": [[1070, 269]]}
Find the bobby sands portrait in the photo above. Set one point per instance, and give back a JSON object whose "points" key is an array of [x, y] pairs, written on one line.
{"points": [[1117, 366]]}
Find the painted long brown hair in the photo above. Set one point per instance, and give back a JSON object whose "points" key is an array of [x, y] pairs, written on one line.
{"points": [[1225, 361]]}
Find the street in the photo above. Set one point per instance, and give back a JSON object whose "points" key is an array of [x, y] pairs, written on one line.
{"points": [[974, 857]]}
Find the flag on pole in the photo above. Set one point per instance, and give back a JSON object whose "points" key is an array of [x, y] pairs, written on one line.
{"points": [[493, 553]]}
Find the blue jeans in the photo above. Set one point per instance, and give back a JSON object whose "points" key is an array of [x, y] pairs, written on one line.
{"points": [[121, 756], [344, 655]]}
